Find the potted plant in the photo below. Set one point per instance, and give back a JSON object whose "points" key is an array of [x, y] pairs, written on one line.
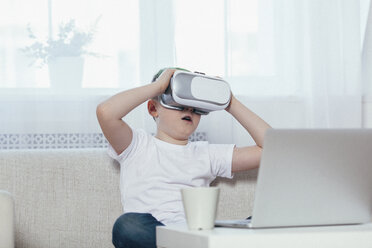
{"points": [[63, 55]]}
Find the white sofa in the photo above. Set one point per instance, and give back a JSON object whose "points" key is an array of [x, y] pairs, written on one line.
{"points": [[70, 197]]}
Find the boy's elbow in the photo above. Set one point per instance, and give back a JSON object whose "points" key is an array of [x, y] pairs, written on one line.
{"points": [[101, 112]]}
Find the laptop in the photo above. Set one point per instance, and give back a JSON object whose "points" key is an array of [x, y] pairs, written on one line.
{"points": [[312, 177]]}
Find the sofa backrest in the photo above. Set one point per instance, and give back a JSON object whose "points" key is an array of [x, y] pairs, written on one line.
{"points": [[71, 197]]}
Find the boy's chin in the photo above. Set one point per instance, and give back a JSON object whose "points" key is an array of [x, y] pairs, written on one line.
{"points": [[184, 136]]}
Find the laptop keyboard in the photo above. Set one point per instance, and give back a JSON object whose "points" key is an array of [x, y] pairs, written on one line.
{"points": [[244, 222]]}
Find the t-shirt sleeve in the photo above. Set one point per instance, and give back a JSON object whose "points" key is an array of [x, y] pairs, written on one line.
{"points": [[221, 159], [139, 136]]}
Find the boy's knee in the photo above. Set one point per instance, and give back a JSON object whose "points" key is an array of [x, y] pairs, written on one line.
{"points": [[122, 231], [133, 230]]}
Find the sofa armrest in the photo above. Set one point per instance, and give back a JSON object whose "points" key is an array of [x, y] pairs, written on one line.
{"points": [[6, 220]]}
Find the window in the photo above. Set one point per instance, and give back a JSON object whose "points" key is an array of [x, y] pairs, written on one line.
{"points": [[200, 35], [116, 40], [234, 39]]}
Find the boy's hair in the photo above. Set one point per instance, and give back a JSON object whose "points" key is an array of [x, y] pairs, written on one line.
{"points": [[161, 71], [157, 75]]}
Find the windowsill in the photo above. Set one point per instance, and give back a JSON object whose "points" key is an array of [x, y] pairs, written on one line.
{"points": [[29, 93], [53, 92], [47, 93]]}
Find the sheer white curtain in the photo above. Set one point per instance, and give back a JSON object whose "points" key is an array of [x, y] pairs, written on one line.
{"points": [[33, 113], [312, 74], [367, 54], [318, 47], [297, 63], [297, 50]]}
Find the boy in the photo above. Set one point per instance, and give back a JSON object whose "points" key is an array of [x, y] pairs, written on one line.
{"points": [[154, 169]]}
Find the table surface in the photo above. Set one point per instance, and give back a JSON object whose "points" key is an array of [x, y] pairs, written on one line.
{"points": [[322, 236]]}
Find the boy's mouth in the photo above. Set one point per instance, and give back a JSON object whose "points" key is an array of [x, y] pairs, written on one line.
{"points": [[187, 118]]}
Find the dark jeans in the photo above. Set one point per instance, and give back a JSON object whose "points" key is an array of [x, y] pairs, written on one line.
{"points": [[135, 230]]}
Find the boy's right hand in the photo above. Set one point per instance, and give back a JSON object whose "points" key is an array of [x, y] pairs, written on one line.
{"points": [[164, 79], [110, 113]]}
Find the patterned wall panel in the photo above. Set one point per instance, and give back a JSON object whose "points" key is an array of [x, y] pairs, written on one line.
{"points": [[64, 140]]}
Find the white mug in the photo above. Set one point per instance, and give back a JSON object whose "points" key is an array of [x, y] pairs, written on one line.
{"points": [[200, 206]]}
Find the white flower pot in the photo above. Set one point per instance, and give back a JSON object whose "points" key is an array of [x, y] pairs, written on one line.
{"points": [[66, 72]]}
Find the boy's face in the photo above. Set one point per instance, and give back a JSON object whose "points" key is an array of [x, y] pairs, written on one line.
{"points": [[175, 123]]}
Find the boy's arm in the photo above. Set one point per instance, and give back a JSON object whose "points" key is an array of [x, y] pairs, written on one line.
{"points": [[245, 158], [111, 111]]}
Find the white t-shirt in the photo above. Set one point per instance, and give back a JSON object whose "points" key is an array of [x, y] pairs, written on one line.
{"points": [[152, 172]]}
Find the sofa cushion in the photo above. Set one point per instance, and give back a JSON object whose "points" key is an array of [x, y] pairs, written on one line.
{"points": [[62, 197]]}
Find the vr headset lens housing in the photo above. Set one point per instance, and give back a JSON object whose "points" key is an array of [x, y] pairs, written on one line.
{"points": [[181, 108], [200, 92]]}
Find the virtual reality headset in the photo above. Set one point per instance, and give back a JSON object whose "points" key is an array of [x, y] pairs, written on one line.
{"points": [[201, 92]]}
